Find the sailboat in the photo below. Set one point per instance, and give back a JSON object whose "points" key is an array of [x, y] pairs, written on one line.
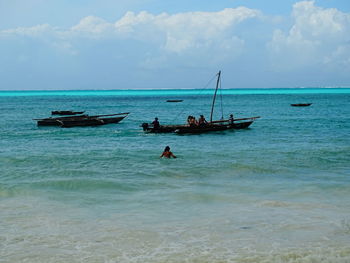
{"points": [[211, 125]]}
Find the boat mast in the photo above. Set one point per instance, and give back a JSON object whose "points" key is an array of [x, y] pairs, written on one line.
{"points": [[216, 90]]}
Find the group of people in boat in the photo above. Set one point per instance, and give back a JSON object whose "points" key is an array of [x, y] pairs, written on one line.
{"points": [[191, 121]]}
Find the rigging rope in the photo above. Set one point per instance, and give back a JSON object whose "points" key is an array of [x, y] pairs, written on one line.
{"points": [[201, 91], [222, 109]]}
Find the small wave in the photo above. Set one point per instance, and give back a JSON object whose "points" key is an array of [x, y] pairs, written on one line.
{"points": [[277, 203], [273, 203], [85, 184], [6, 192]]}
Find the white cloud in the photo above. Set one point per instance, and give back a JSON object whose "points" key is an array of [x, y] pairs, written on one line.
{"points": [[314, 22], [93, 25], [186, 31], [176, 33], [35, 31], [194, 38], [314, 38]]}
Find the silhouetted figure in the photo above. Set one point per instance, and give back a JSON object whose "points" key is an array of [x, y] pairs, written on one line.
{"points": [[231, 119], [202, 121], [167, 153], [189, 119], [155, 123]]}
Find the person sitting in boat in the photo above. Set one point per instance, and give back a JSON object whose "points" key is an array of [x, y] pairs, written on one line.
{"points": [[189, 119], [202, 121], [192, 121], [231, 119], [167, 153], [155, 123]]}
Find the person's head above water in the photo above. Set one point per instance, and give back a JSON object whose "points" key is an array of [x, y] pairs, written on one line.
{"points": [[167, 149]]}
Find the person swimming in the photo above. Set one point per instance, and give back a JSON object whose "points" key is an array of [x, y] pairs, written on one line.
{"points": [[167, 153]]}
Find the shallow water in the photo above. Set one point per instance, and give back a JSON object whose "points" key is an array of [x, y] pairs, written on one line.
{"points": [[277, 192]]}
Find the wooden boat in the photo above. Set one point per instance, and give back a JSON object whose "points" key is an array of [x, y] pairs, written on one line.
{"points": [[174, 101], [90, 121], [56, 121], [148, 127], [301, 104], [66, 112], [237, 124], [82, 120], [220, 125]]}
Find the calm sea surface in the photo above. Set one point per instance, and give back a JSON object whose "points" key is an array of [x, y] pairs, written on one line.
{"points": [[277, 192]]}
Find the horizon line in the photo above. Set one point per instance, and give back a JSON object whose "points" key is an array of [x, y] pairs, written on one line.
{"points": [[167, 89]]}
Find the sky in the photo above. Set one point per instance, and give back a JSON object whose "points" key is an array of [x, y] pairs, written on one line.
{"points": [[163, 44]]}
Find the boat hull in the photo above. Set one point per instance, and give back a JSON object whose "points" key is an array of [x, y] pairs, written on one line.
{"points": [[58, 121], [202, 129], [161, 129], [174, 101], [301, 105], [90, 122], [241, 125]]}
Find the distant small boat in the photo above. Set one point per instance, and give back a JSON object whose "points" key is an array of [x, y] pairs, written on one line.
{"points": [[174, 101], [301, 104], [66, 112]]}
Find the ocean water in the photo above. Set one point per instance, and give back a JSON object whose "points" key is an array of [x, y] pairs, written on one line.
{"points": [[276, 192]]}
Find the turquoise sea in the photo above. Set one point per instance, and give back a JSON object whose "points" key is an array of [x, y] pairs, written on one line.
{"points": [[276, 192]]}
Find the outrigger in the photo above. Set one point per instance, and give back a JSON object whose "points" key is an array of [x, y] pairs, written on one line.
{"points": [[66, 112]]}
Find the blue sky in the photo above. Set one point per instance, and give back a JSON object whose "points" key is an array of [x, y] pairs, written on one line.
{"points": [[144, 44]]}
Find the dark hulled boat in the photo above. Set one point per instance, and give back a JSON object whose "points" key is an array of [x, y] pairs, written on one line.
{"points": [[301, 104], [57, 121], [174, 101], [90, 121], [82, 120], [220, 125]]}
